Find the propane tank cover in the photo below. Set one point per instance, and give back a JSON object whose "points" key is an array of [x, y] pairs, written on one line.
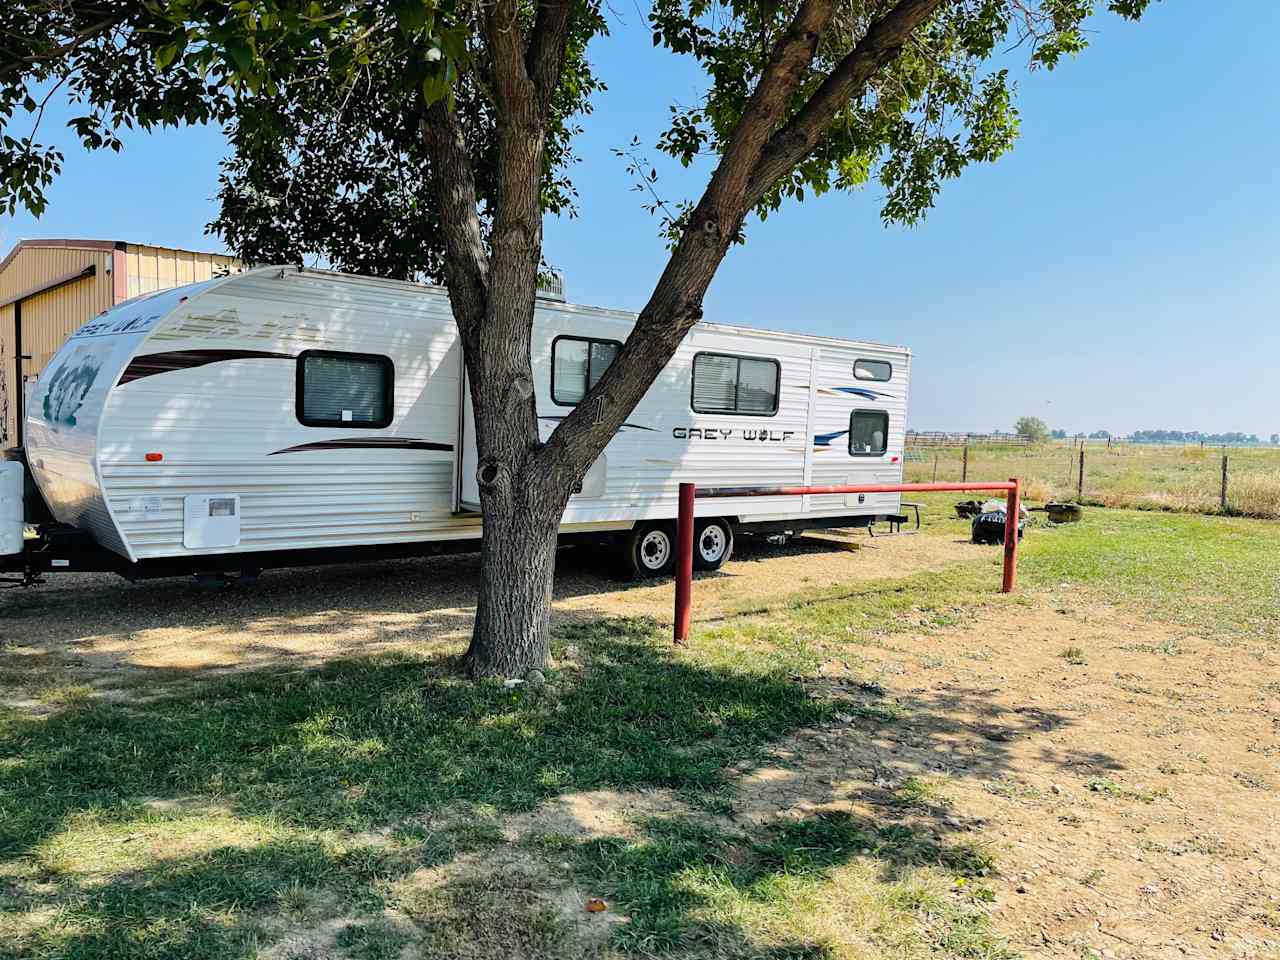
{"points": [[12, 517]]}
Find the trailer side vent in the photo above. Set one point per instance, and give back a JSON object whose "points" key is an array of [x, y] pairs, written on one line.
{"points": [[211, 521]]}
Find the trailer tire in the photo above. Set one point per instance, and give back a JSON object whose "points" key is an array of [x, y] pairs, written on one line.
{"points": [[647, 550], [712, 543]]}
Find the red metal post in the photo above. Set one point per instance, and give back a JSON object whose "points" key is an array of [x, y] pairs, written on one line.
{"points": [[684, 563], [1013, 506]]}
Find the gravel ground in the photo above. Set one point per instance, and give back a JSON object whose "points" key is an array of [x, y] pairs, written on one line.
{"points": [[100, 630]]}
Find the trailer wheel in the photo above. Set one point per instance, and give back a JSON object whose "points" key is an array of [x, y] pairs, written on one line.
{"points": [[712, 544], [648, 550]]}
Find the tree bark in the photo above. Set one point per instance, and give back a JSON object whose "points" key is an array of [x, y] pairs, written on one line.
{"points": [[517, 562]]}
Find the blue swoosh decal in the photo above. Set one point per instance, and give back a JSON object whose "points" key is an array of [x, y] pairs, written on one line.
{"points": [[863, 392], [824, 439]]}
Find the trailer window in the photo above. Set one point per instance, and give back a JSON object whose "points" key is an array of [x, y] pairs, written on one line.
{"points": [[723, 383], [868, 433], [577, 364], [345, 389], [872, 370]]}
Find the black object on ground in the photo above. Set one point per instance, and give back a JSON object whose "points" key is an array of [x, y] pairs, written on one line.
{"points": [[989, 527]]}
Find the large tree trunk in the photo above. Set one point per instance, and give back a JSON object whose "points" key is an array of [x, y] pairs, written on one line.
{"points": [[521, 501], [517, 560]]}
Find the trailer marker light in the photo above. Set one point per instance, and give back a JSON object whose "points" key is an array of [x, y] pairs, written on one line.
{"points": [[893, 459], [154, 457]]}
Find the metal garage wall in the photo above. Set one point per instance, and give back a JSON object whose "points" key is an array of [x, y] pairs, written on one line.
{"points": [[158, 268], [8, 429], [48, 319]]}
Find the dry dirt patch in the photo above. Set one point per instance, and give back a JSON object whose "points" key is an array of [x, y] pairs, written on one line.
{"points": [[1131, 800]]}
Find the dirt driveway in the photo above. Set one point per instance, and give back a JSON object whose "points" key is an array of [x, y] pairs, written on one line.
{"points": [[93, 625]]}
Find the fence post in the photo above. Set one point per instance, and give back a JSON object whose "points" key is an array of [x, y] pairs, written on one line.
{"points": [[1224, 483], [1080, 481], [684, 563], [1013, 506], [935, 468], [964, 465]]}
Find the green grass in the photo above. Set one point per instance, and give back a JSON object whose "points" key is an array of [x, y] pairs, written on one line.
{"points": [[1075, 656], [800, 888], [217, 818], [279, 771]]}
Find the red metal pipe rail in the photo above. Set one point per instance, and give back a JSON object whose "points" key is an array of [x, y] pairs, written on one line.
{"points": [[689, 493]]}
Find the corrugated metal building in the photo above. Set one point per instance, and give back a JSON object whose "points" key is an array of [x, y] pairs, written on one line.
{"points": [[50, 288]]}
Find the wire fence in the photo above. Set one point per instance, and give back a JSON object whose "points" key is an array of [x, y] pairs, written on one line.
{"points": [[1188, 478]]}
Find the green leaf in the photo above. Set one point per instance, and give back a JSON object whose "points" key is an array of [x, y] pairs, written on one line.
{"points": [[434, 85], [454, 43], [240, 54], [166, 55], [412, 15]]}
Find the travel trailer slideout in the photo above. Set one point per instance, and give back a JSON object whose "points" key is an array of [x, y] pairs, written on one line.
{"points": [[284, 416]]}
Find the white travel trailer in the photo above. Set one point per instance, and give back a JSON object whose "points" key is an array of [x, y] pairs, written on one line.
{"points": [[285, 416]]}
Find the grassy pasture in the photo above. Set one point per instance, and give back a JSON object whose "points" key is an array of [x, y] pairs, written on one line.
{"points": [[1139, 476], [818, 779]]}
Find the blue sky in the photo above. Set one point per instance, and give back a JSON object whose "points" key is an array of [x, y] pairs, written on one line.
{"points": [[1120, 269]]}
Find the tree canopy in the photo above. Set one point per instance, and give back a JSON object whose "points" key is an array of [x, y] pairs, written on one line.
{"points": [[1032, 428]]}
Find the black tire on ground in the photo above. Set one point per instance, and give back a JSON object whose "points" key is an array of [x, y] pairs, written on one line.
{"points": [[647, 550], [712, 543]]}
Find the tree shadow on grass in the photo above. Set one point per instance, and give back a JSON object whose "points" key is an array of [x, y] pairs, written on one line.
{"points": [[695, 890], [356, 744], [309, 764]]}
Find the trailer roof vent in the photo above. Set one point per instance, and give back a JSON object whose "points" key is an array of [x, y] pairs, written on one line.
{"points": [[551, 286]]}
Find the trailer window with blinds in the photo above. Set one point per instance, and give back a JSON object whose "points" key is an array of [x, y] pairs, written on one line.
{"points": [[345, 389], [723, 383], [577, 364], [881, 370], [868, 433]]}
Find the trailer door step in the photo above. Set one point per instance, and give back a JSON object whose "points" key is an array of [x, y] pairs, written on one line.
{"points": [[898, 520], [838, 537]]}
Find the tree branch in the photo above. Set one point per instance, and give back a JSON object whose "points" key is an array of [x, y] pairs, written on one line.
{"points": [[454, 183], [797, 139], [783, 74], [545, 59], [505, 38], [676, 303], [60, 51]]}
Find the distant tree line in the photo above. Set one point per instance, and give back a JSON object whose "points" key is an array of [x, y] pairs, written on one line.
{"points": [[1195, 436], [1034, 430], [1234, 439]]}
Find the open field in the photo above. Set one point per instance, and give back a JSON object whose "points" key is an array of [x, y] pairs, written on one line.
{"points": [[865, 754], [1140, 476]]}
